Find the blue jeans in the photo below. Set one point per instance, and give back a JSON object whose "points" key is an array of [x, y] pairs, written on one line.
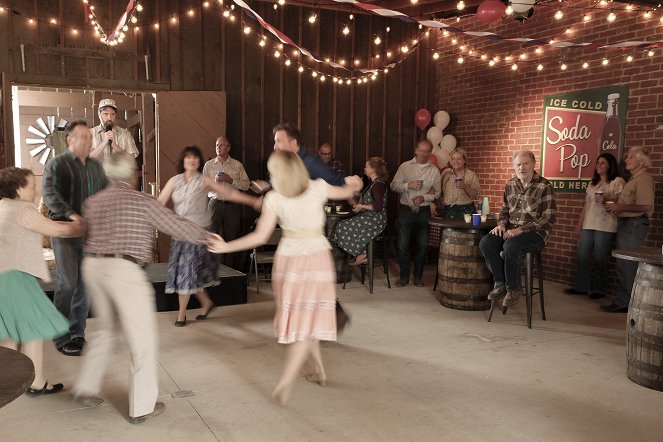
{"points": [[630, 234], [70, 298], [408, 222], [596, 243], [507, 270]]}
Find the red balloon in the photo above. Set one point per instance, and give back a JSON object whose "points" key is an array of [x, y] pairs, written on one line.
{"points": [[490, 11], [432, 158], [422, 118]]}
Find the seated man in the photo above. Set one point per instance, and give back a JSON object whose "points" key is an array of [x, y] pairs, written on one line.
{"points": [[523, 226]]}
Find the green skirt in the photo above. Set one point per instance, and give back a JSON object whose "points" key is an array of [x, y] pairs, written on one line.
{"points": [[26, 313]]}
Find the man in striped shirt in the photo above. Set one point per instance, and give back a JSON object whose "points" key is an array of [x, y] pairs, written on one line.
{"points": [[524, 225], [69, 179]]}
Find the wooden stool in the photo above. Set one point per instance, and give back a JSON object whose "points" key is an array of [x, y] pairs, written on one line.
{"points": [[530, 291]]}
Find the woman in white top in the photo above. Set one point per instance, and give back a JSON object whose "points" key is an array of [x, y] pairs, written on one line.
{"points": [[190, 266], [597, 228], [303, 275], [27, 316]]}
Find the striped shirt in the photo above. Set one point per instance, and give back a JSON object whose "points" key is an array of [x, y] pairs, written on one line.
{"points": [[121, 220], [533, 207], [68, 182]]}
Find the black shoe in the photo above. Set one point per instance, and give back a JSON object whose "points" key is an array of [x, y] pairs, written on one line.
{"points": [[596, 296], [69, 349], [180, 323], [614, 308], [572, 291], [35, 392], [401, 283], [79, 342], [204, 315], [418, 283]]}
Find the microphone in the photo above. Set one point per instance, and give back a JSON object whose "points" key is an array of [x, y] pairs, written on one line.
{"points": [[108, 128]]}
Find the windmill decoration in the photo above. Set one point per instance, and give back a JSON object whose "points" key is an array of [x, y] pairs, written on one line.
{"points": [[50, 138]]}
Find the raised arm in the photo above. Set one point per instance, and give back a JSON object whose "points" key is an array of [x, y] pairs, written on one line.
{"points": [[230, 194], [264, 228], [167, 191]]}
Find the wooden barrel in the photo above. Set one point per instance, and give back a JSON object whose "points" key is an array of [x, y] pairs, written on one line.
{"points": [[644, 342], [464, 280]]}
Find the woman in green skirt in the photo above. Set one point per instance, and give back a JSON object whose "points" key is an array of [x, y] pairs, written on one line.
{"points": [[27, 316]]}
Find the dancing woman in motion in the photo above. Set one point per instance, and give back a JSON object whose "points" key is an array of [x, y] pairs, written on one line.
{"points": [[303, 276]]}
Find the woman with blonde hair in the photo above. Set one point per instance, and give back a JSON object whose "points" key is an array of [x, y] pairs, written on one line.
{"points": [[27, 316], [303, 275], [460, 186], [353, 234]]}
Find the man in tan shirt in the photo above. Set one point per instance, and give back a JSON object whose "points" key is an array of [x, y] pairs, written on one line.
{"points": [[109, 138], [634, 208]]}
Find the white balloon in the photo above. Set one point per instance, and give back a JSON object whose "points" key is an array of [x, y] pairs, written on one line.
{"points": [[522, 5], [448, 143], [442, 158], [441, 119], [434, 135]]}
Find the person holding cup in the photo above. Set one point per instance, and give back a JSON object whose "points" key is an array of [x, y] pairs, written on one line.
{"points": [[597, 228], [460, 187]]}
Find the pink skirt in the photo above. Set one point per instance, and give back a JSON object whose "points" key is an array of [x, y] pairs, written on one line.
{"points": [[305, 291]]}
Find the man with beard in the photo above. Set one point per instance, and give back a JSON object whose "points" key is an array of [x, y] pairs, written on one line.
{"points": [[108, 138]]}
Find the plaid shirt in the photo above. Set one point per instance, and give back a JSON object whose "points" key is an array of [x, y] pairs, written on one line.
{"points": [[121, 220], [533, 208]]}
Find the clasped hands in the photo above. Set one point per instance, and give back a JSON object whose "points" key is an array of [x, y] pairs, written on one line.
{"points": [[216, 244]]}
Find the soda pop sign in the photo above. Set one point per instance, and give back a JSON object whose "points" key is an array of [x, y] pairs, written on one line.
{"points": [[577, 128]]}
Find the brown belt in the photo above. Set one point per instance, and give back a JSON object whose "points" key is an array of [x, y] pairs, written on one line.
{"points": [[116, 255]]}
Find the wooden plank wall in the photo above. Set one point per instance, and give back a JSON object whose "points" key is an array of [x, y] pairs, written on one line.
{"points": [[206, 51]]}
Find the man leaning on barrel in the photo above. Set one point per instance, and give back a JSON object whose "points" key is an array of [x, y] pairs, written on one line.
{"points": [[524, 225]]}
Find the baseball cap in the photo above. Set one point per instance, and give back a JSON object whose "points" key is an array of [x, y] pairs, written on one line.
{"points": [[107, 102]]}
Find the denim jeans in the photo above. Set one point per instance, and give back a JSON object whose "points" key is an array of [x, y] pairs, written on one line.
{"points": [[593, 243], [409, 222], [507, 270], [631, 233], [70, 298]]}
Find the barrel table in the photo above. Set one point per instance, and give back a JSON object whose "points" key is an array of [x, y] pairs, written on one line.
{"points": [[463, 279], [16, 375], [644, 322]]}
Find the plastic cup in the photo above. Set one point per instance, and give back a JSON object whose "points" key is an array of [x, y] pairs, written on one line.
{"points": [[484, 218], [468, 218], [476, 219], [598, 197]]}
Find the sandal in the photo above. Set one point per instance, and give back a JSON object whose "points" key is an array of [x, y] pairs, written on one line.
{"points": [[35, 392], [204, 315]]}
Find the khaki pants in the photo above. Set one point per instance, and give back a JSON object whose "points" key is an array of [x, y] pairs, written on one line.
{"points": [[122, 298]]}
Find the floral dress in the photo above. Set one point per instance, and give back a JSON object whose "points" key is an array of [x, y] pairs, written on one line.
{"points": [[352, 235]]}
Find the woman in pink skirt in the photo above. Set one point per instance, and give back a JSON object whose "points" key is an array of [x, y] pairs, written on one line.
{"points": [[303, 276]]}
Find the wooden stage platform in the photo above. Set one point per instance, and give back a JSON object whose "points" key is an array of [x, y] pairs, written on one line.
{"points": [[232, 289]]}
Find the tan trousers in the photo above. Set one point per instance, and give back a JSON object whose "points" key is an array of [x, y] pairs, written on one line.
{"points": [[121, 297]]}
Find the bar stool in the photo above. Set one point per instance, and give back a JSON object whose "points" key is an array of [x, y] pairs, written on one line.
{"points": [[371, 262], [531, 259]]}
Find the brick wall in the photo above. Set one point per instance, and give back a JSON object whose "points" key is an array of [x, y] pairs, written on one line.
{"points": [[495, 110]]}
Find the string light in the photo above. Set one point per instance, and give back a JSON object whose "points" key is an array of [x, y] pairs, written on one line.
{"points": [[539, 67], [312, 18], [612, 17], [650, 53], [563, 66], [346, 30], [585, 65], [514, 67], [247, 30], [460, 5], [559, 14], [460, 60], [508, 10], [605, 62], [436, 56], [377, 40], [629, 58], [586, 18]]}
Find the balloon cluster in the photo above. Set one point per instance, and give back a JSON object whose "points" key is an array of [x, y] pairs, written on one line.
{"points": [[443, 144]]}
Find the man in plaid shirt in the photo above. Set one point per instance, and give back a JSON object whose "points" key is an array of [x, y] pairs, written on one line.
{"points": [[523, 226], [120, 240]]}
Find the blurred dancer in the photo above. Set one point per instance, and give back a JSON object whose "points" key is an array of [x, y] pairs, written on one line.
{"points": [[120, 241], [27, 316], [190, 266], [303, 275]]}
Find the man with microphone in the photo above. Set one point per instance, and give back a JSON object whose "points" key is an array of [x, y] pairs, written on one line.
{"points": [[108, 138]]}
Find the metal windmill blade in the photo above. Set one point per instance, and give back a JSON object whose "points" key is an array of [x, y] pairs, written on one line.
{"points": [[44, 145]]}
